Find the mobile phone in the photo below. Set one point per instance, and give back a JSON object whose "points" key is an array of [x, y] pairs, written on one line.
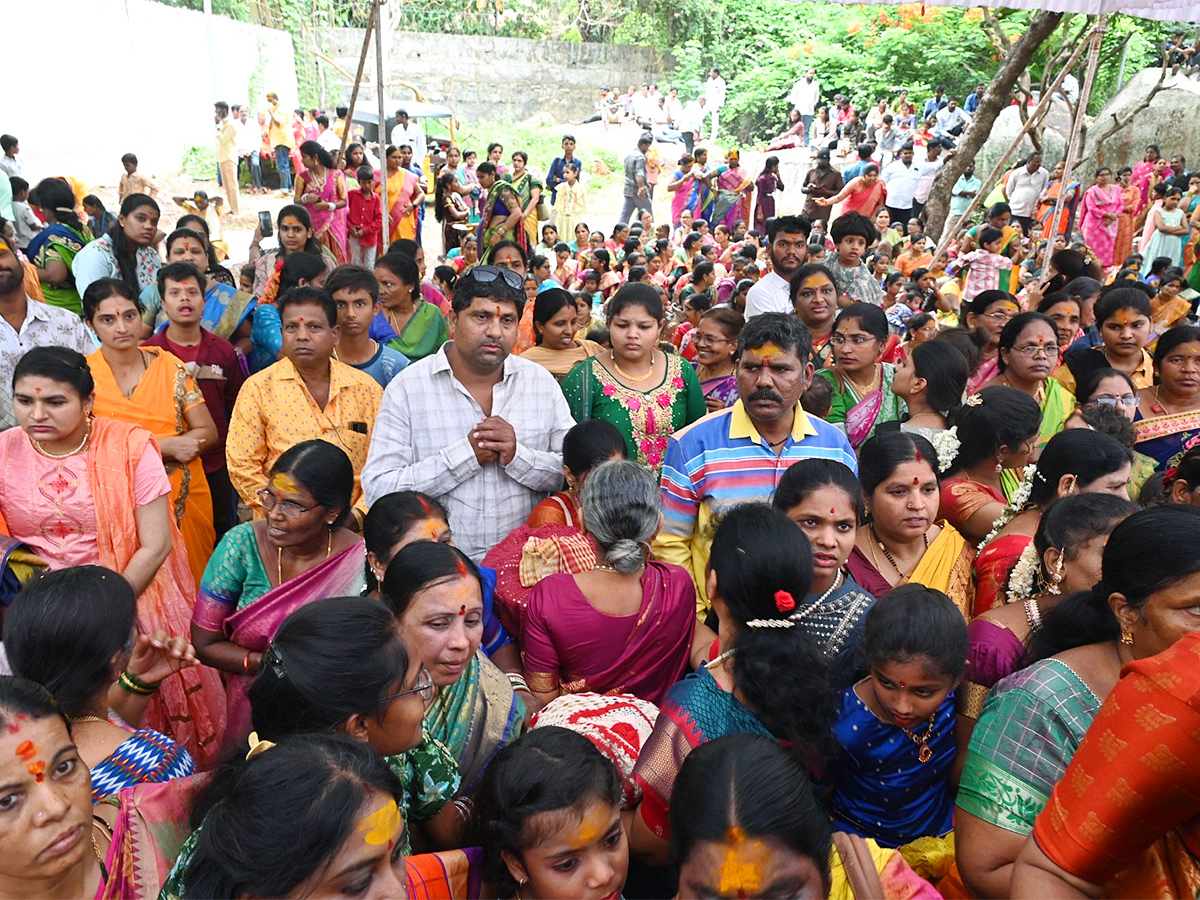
{"points": [[264, 223]]}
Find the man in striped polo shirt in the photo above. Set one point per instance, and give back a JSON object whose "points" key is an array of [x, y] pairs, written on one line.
{"points": [[738, 455]]}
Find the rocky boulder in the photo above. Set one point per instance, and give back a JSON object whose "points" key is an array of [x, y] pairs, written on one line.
{"points": [[1170, 121]]}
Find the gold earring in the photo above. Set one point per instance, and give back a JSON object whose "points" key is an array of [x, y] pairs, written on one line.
{"points": [[1126, 637], [1056, 576]]}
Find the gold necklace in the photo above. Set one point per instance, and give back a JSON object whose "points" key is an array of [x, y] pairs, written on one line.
{"points": [[924, 754], [626, 375], [75, 720], [1039, 395], [82, 444], [862, 389], [279, 556]]}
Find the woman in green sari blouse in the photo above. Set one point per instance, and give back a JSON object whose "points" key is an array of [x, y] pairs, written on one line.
{"points": [[435, 593]]}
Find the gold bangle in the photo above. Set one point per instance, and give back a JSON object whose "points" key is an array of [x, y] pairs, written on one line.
{"points": [[971, 698], [133, 687]]}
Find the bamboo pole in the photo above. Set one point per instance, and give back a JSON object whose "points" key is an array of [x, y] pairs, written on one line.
{"points": [[1085, 94], [386, 234], [950, 231], [362, 61]]}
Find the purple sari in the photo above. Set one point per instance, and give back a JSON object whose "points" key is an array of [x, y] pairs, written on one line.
{"points": [[253, 626]]}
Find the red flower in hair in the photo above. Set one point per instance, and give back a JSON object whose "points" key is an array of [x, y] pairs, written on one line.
{"points": [[784, 601]]}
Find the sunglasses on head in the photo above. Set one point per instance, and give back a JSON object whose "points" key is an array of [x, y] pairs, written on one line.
{"points": [[488, 274]]}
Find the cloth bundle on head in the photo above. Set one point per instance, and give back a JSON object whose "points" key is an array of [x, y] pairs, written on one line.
{"points": [[618, 725], [527, 556]]}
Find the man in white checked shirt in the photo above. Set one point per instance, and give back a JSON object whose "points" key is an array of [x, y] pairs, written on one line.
{"points": [[472, 425]]}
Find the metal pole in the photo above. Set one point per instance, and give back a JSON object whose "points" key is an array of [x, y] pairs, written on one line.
{"points": [[1085, 94], [386, 234], [950, 231], [362, 61]]}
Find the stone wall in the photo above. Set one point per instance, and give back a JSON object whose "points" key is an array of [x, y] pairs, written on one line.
{"points": [[494, 78], [91, 80]]}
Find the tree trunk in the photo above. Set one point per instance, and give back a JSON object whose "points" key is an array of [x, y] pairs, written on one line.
{"points": [[997, 96]]}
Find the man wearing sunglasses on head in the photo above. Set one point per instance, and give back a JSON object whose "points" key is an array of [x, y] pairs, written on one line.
{"points": [[474, 426]]}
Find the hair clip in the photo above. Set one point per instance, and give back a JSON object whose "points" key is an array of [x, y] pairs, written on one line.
{"points": [[274, 661], [974, 400], [257, 746], [770, 623], [784, 602]]}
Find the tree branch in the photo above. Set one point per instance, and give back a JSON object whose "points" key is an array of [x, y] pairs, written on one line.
{"points": [[998, 95]]}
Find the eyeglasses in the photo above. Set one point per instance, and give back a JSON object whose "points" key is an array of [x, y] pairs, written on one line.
{"points": [[710, 339], [289, 508], [1128, 402], [488, 274], [998, 316], [424, 688], [1047, 351], [840, 340]]}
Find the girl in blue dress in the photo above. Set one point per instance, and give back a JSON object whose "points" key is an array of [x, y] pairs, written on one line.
{"points": [[891, 780]]}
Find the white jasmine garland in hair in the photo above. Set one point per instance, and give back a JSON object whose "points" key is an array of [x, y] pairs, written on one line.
{"points": [[1016, 503], [1023, 578], [946, 443]]}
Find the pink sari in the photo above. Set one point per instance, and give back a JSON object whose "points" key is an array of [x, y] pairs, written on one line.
{"points": [[988, 369], [152, 826], [329, 225], [253, 626], [1099, 235]]}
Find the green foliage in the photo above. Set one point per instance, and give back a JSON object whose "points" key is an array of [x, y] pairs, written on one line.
{"points": [[200, 163], [541, 142]]}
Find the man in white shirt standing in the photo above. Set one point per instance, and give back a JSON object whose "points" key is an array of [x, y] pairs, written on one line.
{"points": [[805, 95], [928, 167], [406, 132], [474, 426], [714, 96], [1024, 187], [788, 250], [902, 179], [326, 136]]}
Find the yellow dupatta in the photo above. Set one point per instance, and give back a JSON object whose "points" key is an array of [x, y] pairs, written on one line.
{"points": [[946, 566], [166, 392]]}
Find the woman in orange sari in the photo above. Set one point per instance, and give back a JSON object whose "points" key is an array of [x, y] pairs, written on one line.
{"points": [[1131, 199], [83, 491], [1124, 818], [150, 387], [404, 195]]}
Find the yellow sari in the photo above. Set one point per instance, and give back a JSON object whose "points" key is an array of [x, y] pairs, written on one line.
{"points": [[402, 187], [166, 392], [946, 567]]}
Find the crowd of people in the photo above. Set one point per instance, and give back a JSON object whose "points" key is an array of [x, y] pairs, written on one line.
{"points": [[753, 552]]}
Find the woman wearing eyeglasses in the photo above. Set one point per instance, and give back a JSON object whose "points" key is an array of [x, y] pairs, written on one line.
{"points": [[1028, 354], [716, 340], [340, 665], [862, 383], [264, 570], [987, 315], [1168, 415]]}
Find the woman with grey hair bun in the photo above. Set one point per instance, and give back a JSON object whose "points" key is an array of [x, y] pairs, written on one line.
{"points": [[629, 625]]}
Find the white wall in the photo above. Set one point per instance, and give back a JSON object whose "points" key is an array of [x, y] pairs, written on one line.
{"points": [[91, 80]]}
